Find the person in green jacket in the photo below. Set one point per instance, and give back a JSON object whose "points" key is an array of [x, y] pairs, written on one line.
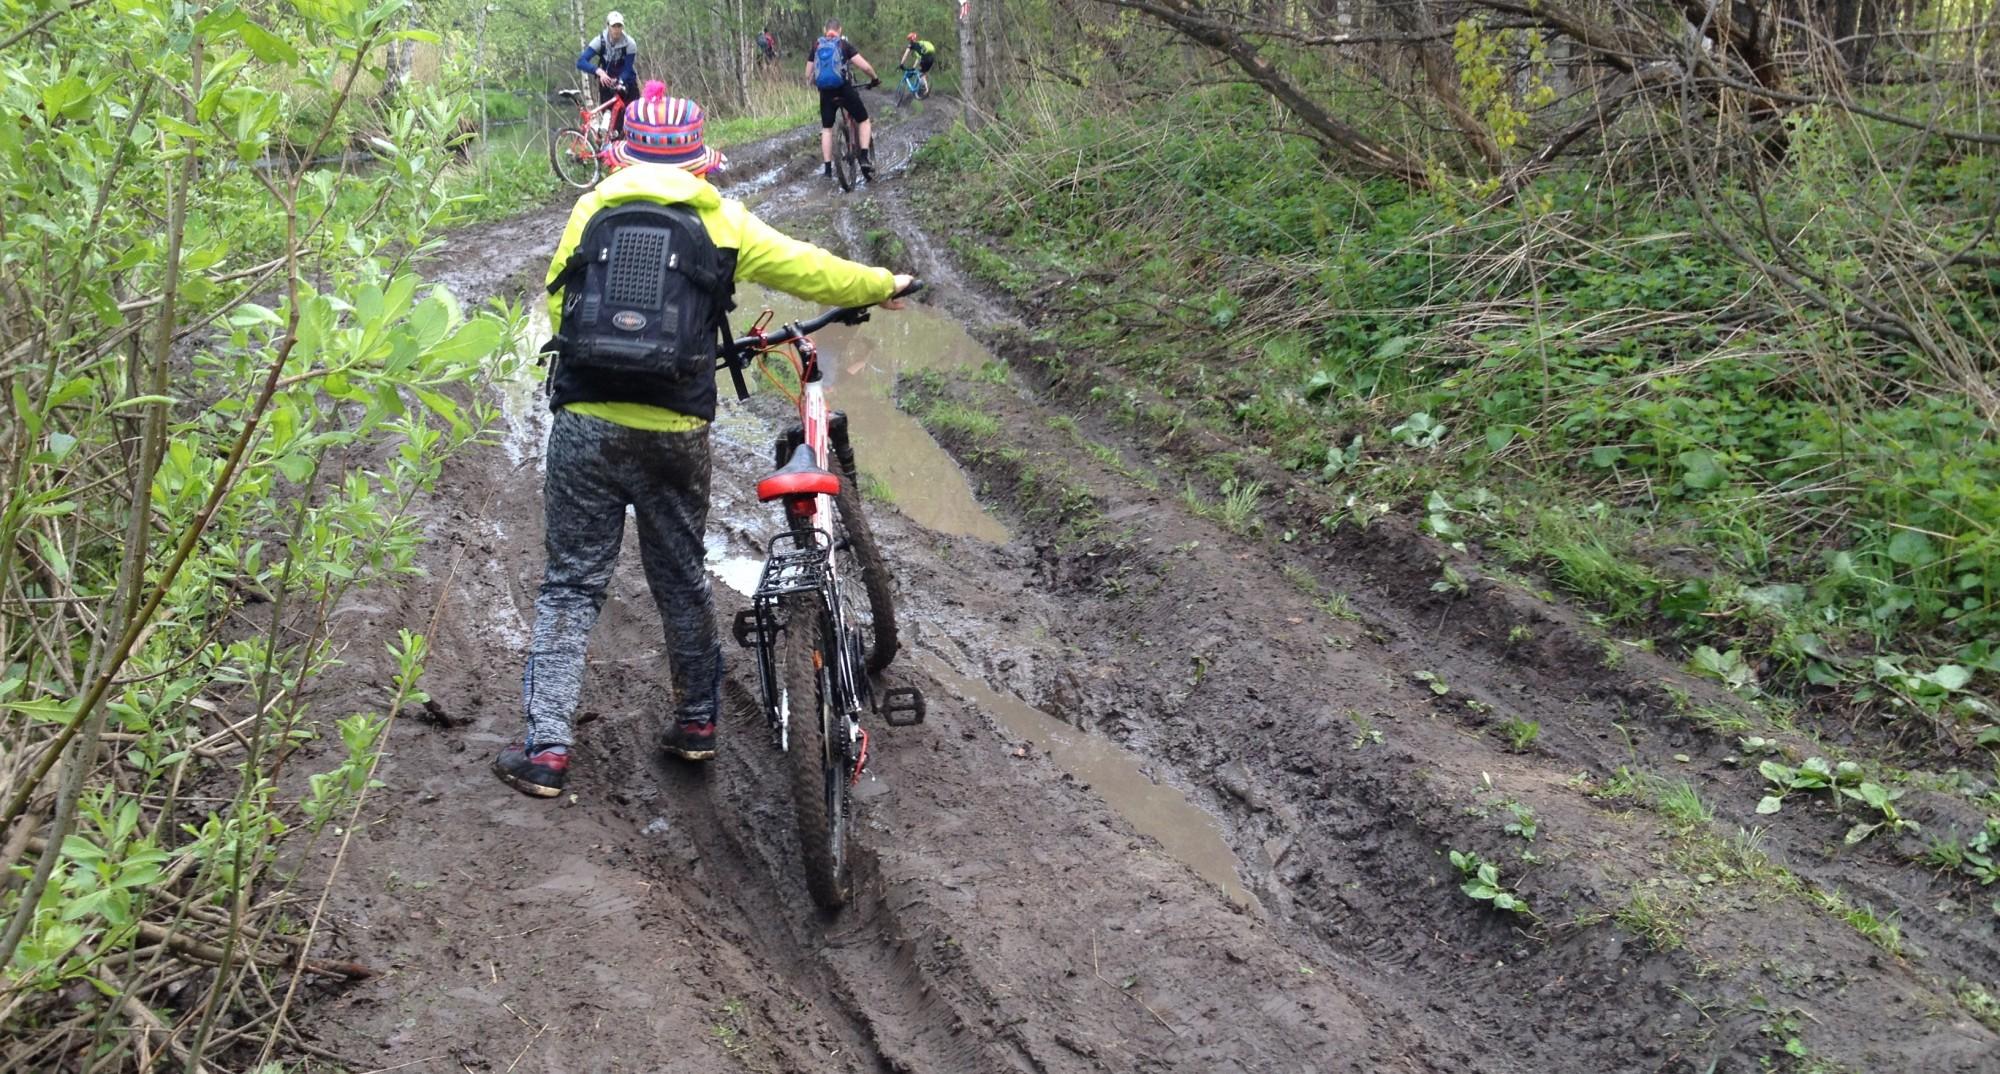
{"points": [[619, 441]]}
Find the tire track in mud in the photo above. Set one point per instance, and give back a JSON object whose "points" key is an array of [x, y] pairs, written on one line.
{"points": [[655, 916], [1348, 840], [1005, 918]]}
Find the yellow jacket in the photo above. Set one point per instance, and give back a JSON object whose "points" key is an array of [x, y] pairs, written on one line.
{"points": [[763, 255]]}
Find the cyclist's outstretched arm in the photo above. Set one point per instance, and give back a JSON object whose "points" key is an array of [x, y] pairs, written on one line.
{"points": [[862, 63], [768, 256], [904, 59]]}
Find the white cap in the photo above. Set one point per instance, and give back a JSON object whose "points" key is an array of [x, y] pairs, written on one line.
{"points": [[614, 19]]}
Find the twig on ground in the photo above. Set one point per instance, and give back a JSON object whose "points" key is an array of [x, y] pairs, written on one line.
{"points": [[1127, 993]]}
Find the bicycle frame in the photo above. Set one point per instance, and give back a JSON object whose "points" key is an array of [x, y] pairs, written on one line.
{"points": [[587, 115], [809, 565], [913, 81]]}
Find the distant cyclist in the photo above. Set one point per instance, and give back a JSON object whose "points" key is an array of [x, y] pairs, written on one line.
{"points": [[925, 54], [613, 57], [827, 68]]}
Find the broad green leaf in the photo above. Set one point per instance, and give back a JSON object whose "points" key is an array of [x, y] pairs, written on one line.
{"points": [[250, 313], [1701, 471], [47, 709], [1911, 549], [296, 468], [268, 46], [1950, 676], [1769, 804], [475, 339], [142, 400]]}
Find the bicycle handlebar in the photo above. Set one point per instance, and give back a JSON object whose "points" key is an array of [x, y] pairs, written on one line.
{"points": [[787, 333]]}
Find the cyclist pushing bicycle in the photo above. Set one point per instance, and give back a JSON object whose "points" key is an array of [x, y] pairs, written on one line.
{"points": [[638, 289], [612, 57], [925, 56]]}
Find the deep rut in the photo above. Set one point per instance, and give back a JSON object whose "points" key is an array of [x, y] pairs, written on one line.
{"points": [[1006, 919]]}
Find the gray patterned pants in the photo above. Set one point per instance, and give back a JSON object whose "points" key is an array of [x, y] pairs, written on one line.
{"points": [[596, 468]]}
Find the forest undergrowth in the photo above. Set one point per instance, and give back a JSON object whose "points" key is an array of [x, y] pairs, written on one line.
{"points": [[1743, 410]]}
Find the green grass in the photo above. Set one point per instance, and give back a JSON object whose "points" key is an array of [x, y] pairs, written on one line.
{"points": [[1881, 932], [953, 417], [1662, 921], [1785, 486]]}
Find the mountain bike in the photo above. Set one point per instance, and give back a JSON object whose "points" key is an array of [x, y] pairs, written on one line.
{"points": [[847, 145], [821, 620], [577, 152], [913, 87]]}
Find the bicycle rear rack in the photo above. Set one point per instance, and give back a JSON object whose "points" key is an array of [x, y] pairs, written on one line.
{"points": [[797, 569], [801, 568]]}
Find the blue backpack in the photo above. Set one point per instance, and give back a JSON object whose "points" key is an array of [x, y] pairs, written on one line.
{"points": [[828, 70]]}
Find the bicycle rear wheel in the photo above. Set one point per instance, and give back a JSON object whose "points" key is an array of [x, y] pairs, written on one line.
{"points": [[844, 166], [574, 158], [817, 755]]}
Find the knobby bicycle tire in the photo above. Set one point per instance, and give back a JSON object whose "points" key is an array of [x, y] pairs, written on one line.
{"points": [[819, 775], [844, 167], [560, 154], [860, 539]]}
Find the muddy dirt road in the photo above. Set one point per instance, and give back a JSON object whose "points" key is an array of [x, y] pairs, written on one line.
{"points": [[1182, 802]]}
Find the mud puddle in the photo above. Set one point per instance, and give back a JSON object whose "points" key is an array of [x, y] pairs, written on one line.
{"points": [[524, 408], [899, 460], [1188, 834]]}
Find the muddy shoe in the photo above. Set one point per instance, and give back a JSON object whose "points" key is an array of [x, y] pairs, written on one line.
{"points": [[867, 173], [539, 773], [690, 741]]}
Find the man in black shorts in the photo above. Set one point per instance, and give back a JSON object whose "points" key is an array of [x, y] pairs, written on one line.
{"points": [[827, 67]]}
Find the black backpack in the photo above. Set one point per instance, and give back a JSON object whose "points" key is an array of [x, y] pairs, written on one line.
{"points": [[646, 292]]}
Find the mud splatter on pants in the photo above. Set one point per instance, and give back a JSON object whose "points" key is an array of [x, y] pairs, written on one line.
{"points": [[596, 468]]}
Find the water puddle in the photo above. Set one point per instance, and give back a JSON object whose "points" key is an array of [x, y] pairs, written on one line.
{"points": [[899, 460], [524, 408], [752, 184], [1154, 809]]}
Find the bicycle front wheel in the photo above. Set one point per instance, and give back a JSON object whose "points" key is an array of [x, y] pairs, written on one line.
{"points": [[844, 166], [574, 158], [817, 753], [855, 542]]}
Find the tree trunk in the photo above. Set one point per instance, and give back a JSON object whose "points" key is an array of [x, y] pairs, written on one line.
{"points": [[741, 53], [968, 65], [1441, 74]]}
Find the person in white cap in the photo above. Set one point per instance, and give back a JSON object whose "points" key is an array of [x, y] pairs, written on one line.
{"points": [[613, 57]]}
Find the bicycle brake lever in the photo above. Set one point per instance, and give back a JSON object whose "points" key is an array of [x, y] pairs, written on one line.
{"points": [[853, 316]]}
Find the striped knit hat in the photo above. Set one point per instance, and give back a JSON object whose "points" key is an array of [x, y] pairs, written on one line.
{"points": [[664, 130]]}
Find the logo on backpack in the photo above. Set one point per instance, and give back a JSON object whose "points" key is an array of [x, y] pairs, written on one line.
{"points": [[829, 71], [644, 293]]}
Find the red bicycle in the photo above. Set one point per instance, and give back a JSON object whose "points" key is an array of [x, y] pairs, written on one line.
{"points": [[578, 152], [817, 640]]}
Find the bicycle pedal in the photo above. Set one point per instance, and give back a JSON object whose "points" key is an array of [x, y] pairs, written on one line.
{"points": [[903, 706], [748, 633]]}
